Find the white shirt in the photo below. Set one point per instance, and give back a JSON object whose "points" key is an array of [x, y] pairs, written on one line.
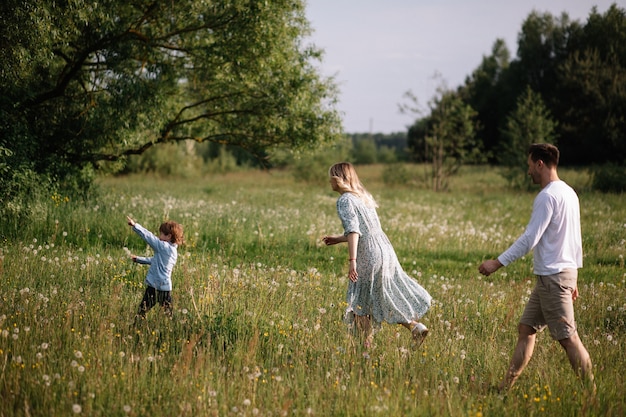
{"points": [[553, 232]]}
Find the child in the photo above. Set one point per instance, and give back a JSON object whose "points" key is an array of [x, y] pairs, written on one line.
{"points": [[159, 278]]}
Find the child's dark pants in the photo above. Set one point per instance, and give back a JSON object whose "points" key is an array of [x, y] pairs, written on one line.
{"points": [[151, 297]]}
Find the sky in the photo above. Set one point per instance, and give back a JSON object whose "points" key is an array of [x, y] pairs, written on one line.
{"points": [[377, 50]]}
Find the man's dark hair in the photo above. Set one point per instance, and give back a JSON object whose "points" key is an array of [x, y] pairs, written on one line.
{"points": [[545, 152]]}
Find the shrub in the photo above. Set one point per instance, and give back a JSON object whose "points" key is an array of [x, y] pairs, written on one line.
{"points": [[609, 178], [23, 194], [396, 174]]}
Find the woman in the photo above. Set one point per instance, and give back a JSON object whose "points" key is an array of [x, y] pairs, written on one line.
{"points": [[378, 290]]}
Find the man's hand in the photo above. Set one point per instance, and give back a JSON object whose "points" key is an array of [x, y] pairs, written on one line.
{"points": [[489, 267]]}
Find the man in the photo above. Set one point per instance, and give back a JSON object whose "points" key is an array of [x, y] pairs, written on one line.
{"points": [[554, 233]]}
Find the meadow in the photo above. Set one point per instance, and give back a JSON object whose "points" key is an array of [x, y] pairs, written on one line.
{"points": [[258, 301]]}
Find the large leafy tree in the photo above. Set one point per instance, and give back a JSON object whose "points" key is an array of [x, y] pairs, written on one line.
{"points": [[84, 82]]}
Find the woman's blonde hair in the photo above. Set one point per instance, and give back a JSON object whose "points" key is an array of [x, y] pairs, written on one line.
{"points": [[348, 182]]}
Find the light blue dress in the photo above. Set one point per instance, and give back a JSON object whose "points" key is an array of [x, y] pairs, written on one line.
{"points": [[383, 290]]}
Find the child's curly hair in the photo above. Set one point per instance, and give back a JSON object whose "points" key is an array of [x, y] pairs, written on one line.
{"points": [[172, 228]]}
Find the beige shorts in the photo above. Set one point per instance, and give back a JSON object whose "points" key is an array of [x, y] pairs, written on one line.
{"points": [[550, 304]]}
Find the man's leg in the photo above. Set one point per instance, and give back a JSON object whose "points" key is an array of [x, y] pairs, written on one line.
{"points": [[579, 358], [521, 355]]}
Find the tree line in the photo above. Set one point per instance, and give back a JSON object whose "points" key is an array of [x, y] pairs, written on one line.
{"points": [[86, 86], [566, 85]]}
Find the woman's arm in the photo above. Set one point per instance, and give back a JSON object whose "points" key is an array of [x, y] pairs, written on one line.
{"points": [[353, 245], [333, 240]]}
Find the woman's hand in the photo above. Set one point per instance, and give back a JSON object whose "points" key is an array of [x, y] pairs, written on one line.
{"points": [[352, 274], [333, 240]]}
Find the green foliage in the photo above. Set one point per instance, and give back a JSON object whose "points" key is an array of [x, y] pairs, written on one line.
{"points": [[416, 140], [387, 155], [396, 174], [578, 69], [312, 166], [88, 82], [365, 152], [609, 178], [170, 159], [224, 162], [390, 147], [24, 196], [488, 91], [591, 100], [450, 139], [529, 123]]}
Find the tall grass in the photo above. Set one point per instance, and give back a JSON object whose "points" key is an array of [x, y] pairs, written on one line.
{"points": [[258, 301]]}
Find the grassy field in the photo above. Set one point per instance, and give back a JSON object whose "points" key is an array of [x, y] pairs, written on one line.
{"points": [[258, 300]]}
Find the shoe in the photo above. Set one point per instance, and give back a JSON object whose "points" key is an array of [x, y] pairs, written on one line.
{"points": [[419, 332]]}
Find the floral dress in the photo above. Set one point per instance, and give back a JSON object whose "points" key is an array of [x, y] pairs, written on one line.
{"points": [[383, 290]]}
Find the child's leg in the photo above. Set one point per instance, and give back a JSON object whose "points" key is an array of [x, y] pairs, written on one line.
{"points": [[148, 301], [164, 298]]}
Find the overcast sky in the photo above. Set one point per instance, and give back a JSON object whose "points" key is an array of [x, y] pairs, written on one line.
{"points": [[379, 49]]}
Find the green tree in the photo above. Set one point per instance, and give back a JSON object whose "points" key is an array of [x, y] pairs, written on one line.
{"points": [[529, 123], [542, 44], [450, 138], [592, 93], [416, 139], [84, 82], [488, 90], [364, 151]]}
